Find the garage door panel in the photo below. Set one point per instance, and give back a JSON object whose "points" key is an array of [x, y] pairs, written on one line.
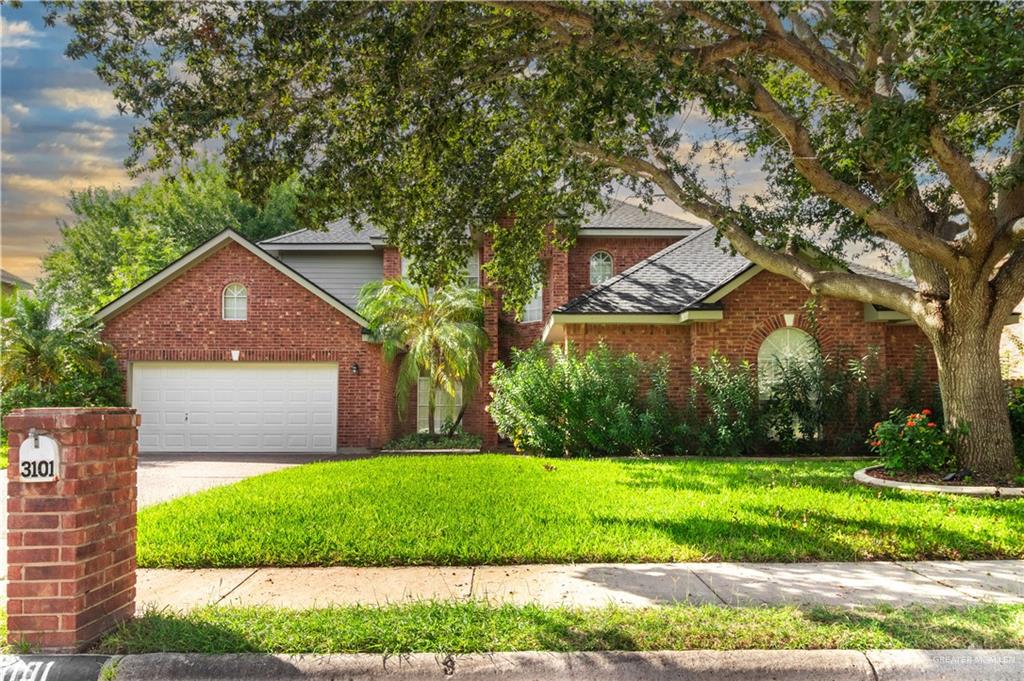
{"points": [[273, 407]]}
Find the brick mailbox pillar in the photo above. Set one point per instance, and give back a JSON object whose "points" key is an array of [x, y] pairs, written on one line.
{"points": [[71, 542]]}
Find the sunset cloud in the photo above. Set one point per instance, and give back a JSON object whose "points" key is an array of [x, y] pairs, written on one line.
{"points": [[97, 100], [18, 34]]}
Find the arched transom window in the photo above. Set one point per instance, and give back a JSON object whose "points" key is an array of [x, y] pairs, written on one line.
{"points": [[600, 267], [782, 348], [235, 302]]}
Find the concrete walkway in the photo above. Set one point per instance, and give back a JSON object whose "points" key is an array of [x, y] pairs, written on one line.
{"points": [[932, 583]]}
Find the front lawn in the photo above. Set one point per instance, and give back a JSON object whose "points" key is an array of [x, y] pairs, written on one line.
{"points": [[500, 509], [474, 627]]}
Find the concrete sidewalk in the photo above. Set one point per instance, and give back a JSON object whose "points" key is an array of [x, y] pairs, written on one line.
{"points": [[933, 583]]}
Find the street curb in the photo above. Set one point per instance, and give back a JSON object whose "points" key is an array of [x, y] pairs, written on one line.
{"points": [[700, 665]]}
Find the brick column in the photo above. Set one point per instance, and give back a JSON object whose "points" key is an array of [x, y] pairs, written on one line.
{"points": [[558, 279], [71, 543]]}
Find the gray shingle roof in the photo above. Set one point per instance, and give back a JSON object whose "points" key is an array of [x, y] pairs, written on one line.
{"points": [[337, 232], [675, 279], [621, 215]]}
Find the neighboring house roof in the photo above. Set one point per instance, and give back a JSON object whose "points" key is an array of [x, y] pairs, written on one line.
{"points": [[340, 233], [13, 280], [204, 251], [623, 218], [677, 278]]}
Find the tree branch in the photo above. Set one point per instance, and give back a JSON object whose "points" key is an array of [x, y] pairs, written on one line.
{"points": [[1008, 286], [972, 187], [1010, 200], [880, 219], [730, 224]]}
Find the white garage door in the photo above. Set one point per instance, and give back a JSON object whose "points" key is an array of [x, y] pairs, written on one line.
{"points": [[236, 407]]}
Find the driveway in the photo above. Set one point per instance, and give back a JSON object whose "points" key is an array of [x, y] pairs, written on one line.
{"points": [[163, 477]]}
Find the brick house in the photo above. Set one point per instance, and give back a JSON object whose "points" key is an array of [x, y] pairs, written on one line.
{"points": [[259, 347]]}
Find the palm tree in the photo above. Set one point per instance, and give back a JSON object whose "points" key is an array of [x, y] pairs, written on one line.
{"points": [[38, 354], [440, 331]]}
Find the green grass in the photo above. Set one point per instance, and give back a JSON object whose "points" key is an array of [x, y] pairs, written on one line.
{"points": [[496, 509], [475, 627]]}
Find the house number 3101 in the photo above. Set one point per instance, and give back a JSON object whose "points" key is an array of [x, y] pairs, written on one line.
{"points": [[38, 459]]}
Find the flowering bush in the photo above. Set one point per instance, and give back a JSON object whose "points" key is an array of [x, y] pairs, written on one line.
{"points": [[912, 442]]}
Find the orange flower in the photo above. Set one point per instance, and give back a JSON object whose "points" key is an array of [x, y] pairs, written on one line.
{"points": [[931, 424], [926, 412]]}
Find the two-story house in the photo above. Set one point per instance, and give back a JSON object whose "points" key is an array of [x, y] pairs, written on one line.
{"points": [[259, 347]]}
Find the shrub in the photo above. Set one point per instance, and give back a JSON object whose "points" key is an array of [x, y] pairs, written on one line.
{"points": [[561, 403], [729, 395], [913, 443], [420, 441]]}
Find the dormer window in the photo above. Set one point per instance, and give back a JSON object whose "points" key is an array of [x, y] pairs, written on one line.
{"points": [[235, 302], [600, 267]]}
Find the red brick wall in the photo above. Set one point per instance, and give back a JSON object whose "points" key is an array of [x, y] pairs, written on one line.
{"points": [[753, 311], [625, 253], [181, 321], [71, 543]]}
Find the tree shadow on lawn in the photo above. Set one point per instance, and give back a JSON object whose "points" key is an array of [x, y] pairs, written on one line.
{"points": [[799, 535], [469, 628], [711, 476], [904, 626], [737, 540], [163, 630]]}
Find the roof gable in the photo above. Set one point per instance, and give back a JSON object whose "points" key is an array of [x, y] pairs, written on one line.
{"points": [[340, 233], [673, 280], [204, 251], [625, 217]]}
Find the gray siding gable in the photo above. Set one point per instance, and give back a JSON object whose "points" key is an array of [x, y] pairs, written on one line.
{"points": [[340, 273]]}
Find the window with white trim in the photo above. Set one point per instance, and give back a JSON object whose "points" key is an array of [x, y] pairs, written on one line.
{"points": [[471, 269], [446, 407], [600, 267], [534, 310], [235, 302], [781, 349]]}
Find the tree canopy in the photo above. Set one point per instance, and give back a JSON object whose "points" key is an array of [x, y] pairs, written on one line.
{"points": [[117, 239], [875, 122]]}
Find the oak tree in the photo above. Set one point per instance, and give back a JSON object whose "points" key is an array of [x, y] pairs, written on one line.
{"points": [[893, 123]]}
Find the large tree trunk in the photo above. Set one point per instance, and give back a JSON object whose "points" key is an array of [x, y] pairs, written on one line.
{"points": [[973, 395]]}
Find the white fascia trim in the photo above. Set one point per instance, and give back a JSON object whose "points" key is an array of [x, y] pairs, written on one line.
{"points": [[597, 231], [733, 284], [205, 251], [625, 318], [700, 316], [317, 247]]}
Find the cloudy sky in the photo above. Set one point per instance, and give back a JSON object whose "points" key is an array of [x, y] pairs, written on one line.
{"points": [[60, 132]]}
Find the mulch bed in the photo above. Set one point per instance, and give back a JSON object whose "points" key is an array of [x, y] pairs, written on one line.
{"points": [[936, 479]]}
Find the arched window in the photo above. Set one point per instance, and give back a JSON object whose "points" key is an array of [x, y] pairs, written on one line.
{"points": [[235, 302], [781, 349], [600, 267]]}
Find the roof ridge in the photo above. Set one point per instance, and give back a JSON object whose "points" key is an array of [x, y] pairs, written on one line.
{"points": [[281, 236], [651, 209], [630, 271]]}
